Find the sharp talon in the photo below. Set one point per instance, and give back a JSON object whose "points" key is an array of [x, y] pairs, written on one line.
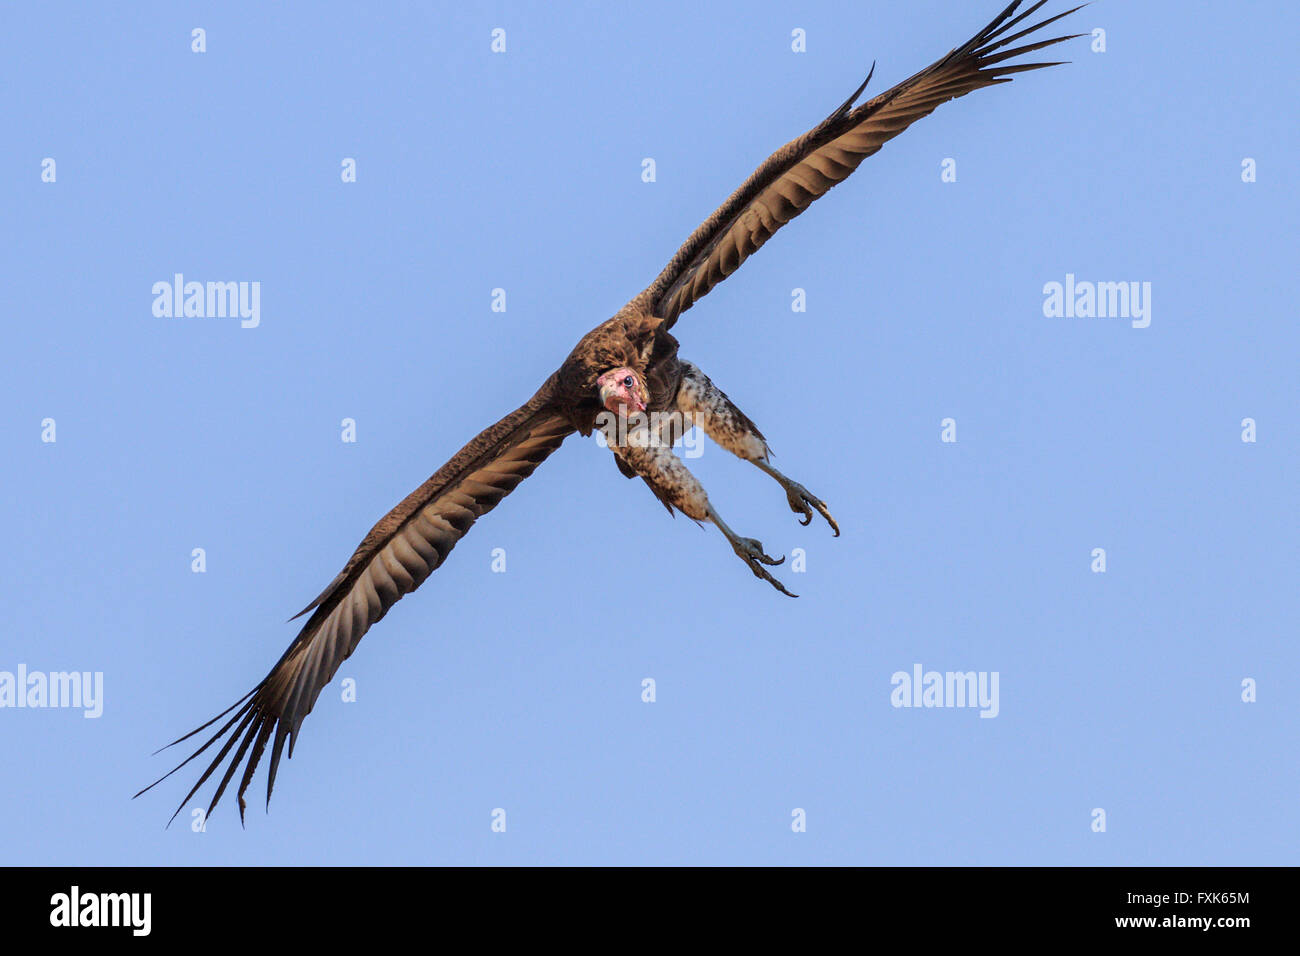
{"points": [[760, 573], [781, 587], [751, 552], [802, 502], [754, 549]]}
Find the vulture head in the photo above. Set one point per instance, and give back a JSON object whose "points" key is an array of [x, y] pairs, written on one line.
{"points": [[621, 391], [593, 378]]}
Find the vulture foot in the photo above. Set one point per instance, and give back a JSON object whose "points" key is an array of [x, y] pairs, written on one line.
{"points": [[802, 502], [751, 552]]}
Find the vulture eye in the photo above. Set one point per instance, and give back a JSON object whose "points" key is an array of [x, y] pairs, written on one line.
{"points": [[627, 382]]}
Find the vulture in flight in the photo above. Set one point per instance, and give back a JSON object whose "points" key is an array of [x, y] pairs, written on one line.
{"points": [[623, 378]]}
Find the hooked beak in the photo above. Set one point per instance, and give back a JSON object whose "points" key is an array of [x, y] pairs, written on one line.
{"points": [[611, 392]]}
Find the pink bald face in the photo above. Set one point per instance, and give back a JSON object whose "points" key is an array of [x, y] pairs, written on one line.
{"points": [[621, 392]]}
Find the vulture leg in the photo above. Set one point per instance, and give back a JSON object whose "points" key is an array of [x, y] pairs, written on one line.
{"points": [[645, 454], [706, 405]]}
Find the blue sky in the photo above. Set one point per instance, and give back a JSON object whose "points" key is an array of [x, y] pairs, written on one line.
{"points": [[1120, 691]]}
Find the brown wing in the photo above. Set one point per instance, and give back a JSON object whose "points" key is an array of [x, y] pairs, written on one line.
{"points": [[405, 547], [806, 168]]}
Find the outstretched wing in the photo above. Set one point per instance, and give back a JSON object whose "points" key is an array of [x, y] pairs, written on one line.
{"points": [[806, 168], [405, 547]]}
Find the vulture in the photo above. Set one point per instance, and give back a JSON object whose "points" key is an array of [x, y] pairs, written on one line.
{"points": [[624, 379]]}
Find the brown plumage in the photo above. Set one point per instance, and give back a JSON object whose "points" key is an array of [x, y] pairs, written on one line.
{"points": [[624, 377]]}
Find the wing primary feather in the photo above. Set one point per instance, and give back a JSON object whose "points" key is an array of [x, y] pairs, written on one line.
{"points": [[1027, 48], [1004, 40], [202, 727], [997, 25], [240, 715], [853, 98], [234, 763]]}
